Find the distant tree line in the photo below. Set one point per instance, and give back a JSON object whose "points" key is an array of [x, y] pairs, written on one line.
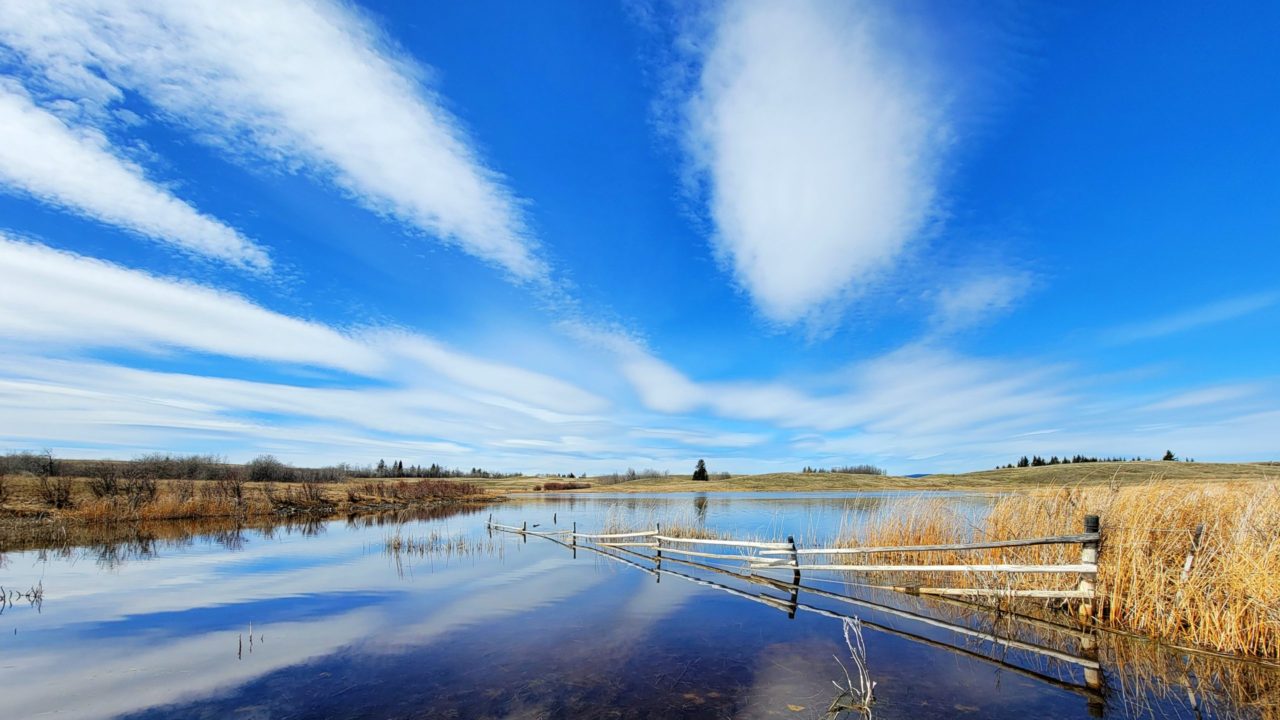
{"points": [[1037, 461], [264, 468], [846, 469], [628, 476], [397, 469]]}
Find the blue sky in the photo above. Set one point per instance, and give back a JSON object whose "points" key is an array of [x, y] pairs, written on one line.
{"points": [[585, 236]]}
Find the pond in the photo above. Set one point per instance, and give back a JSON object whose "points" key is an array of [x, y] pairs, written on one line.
{"points": [[322, 620]]}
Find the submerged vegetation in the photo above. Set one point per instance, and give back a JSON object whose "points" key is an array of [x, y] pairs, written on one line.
{"points": [[437, 544]]}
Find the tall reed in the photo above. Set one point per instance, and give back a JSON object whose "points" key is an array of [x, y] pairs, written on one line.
{"points": [[1229, 599]]}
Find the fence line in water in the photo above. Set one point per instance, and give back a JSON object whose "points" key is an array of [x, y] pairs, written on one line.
{"points": [[786, 556], [1090, 665]]}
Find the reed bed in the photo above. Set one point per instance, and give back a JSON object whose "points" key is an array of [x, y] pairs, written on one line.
{"points": [[96, 499], [678, 526], [441, 545], [1229, 599]]}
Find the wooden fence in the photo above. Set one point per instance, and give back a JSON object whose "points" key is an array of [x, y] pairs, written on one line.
{"points": [[754, 557], [789, 557]]}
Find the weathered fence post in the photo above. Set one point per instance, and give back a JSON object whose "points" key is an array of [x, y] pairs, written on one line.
{"points": [[524, 529], [795, 559], [1191, 554], [1088, 556], [573, 536], [1089, 651], [657, 552]]}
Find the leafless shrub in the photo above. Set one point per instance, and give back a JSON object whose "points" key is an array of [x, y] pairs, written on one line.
{"points": [[140, 491], [266, 468], [104, 479], [183, 490], [311, 494], [4, 491], [230, 489], [54, 491]]}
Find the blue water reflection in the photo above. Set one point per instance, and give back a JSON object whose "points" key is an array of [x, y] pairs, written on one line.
{"points": [[506, 627]]}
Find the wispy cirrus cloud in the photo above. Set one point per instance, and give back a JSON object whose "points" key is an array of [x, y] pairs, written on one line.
{"points": [[819, 148], [915, 390], [300, 85], [77, 169], [1193, 319], [58, 299], [977, 298]]}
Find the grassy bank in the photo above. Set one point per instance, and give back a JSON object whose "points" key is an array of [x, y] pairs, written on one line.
{"points": [[37, 505], [1228, 601], [1100, 473]]}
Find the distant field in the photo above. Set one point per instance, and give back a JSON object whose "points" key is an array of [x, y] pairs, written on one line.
{"points": [[1101, 473]]}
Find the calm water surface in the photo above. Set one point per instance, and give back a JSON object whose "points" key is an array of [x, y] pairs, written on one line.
{"points": [[505, 627]]}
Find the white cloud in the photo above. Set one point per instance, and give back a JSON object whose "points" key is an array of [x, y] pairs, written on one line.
{"points": [[913, 390], [76, 169], [426, 396], [59, 298], [819, 147], [301, 84], [976, 299], [1205, 397], [1211, 314], [699, 439]]}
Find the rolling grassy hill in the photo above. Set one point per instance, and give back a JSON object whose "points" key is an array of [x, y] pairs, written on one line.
{"points": [[1101, 473]]}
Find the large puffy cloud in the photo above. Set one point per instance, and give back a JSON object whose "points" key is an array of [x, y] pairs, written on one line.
{"points": [[300, 84], [818, 146], [77, 170]]}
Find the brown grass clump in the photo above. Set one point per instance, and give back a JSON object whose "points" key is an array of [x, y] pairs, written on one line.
{"points": [[418, 490], [1229, 600], [553, 485]]}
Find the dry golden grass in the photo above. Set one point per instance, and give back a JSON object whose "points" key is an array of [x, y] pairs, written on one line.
{"points": [[1100, 473], [189, 499], [1229, 601]]}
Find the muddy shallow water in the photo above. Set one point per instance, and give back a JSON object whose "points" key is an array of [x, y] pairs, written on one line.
{"points": [[320, 620]]}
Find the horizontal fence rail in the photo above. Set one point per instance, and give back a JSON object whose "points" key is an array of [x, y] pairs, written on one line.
{"points": [[1088, 569], [614, 545], [1056, 540], [767, 556]]}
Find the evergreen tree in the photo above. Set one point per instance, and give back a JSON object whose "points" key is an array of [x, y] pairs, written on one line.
{"points": [[700, 472], [1169, 456]]}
